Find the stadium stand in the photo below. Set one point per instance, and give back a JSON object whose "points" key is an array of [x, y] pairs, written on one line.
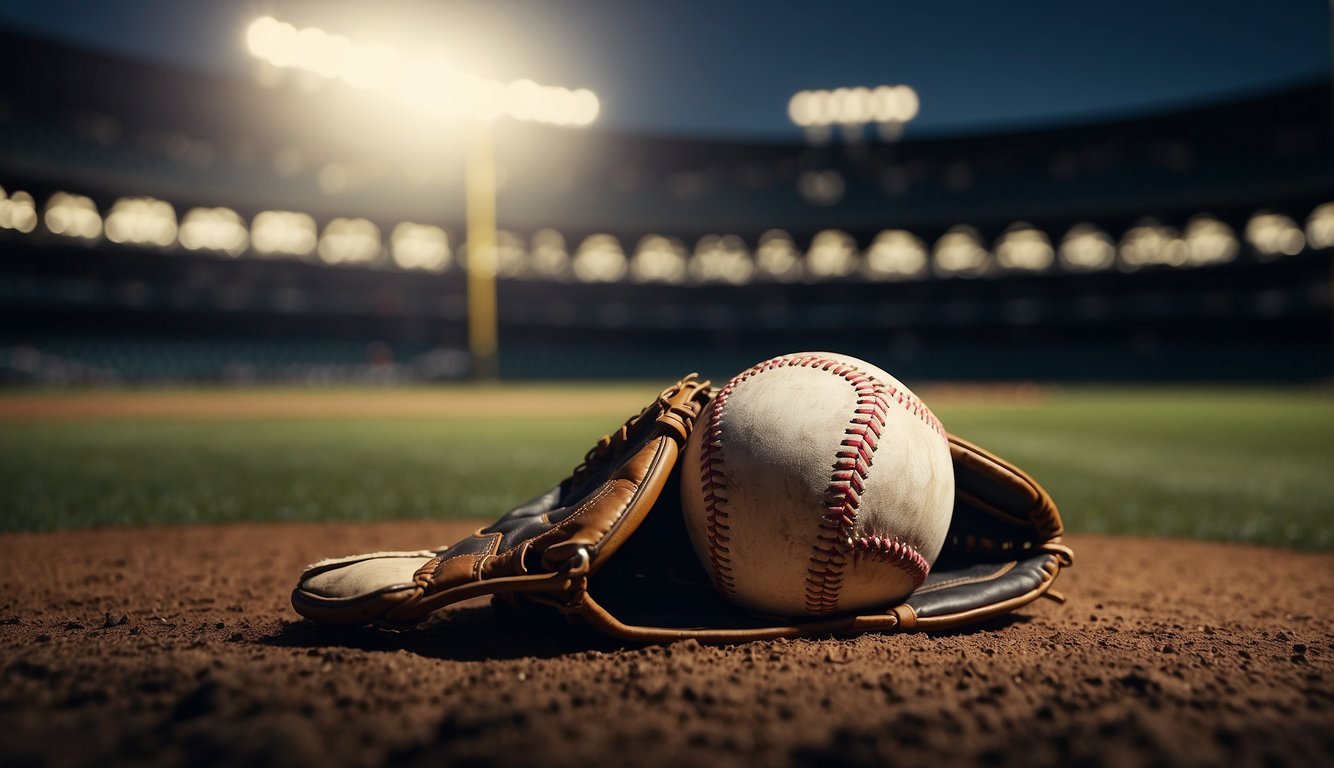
{"points": [[167, 226]]}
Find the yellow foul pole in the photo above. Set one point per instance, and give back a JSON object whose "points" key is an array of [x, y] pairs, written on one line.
{"points": [[480, 194]]}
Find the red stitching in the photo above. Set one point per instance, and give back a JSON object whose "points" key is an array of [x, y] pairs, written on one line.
{"points": [[713, 485], [824, 578], [895, 552]]}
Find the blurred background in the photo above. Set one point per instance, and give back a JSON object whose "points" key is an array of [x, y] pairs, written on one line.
{"points": [[356, 193]]}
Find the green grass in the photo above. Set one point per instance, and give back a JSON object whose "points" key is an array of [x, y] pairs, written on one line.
{"points": [[1244, 465], [63, 475], [1241, 465]]}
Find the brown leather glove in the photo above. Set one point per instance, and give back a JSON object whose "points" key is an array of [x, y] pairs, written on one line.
{"points": [[607, 547]]}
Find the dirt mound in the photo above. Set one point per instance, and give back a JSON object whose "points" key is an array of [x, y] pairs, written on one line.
{"points": [[177, 646]]}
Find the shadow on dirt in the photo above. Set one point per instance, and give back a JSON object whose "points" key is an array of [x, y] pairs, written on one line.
{"points": [[487, 633], [465, 634], [994, 624]]}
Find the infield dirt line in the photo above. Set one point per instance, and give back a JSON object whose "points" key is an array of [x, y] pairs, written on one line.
{"points": [[525, 402]]}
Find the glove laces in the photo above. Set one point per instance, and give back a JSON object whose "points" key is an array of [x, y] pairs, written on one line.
{"points": [[613, 445]]}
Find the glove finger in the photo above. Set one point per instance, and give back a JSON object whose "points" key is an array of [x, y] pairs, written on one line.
{"points": [[375, 587]]}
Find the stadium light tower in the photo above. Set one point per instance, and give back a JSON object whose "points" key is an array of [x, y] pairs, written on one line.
{"points": [[433, 86]]}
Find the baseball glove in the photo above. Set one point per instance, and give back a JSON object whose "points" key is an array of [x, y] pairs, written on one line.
{"points": [[607, 547]]}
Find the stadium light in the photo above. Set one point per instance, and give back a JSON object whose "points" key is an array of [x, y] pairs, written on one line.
{"points": [[658, 259], [419, 246], [833, 254], [600, 260], [1024, 248], [959, 253], [822, 187], [722, 259], [142, 221], [549, 257], [895, 254], [429, 83], [511, 257], [777, 257], [18, 211], [72, 215], [214, 229], [283, 233], [1086, 248], [1151, 243], [349, 241], [889, 107], [434, 86], [1209, 241], [1320, 227], [1274, 235]]}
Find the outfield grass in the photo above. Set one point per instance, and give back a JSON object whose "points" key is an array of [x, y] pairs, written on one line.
{"points": [[1245, 465], [1255, 466]]}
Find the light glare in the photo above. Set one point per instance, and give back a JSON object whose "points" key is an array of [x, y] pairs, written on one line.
{"points": [[428, 83]]}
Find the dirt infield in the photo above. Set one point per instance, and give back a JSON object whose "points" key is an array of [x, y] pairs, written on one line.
{"points": [[177, 646], [519, 401]]}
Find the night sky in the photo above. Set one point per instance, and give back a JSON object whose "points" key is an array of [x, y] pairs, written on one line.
{"points": [[727, 69]]}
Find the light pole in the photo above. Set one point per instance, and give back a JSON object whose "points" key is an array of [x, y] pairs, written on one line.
{"points": [[443, 93], [480, 193]]}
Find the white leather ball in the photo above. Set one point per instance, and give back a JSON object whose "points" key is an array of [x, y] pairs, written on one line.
{"points": [[815, 483]]}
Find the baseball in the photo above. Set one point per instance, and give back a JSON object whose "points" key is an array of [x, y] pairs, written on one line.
{"points": [[815, 483]]}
